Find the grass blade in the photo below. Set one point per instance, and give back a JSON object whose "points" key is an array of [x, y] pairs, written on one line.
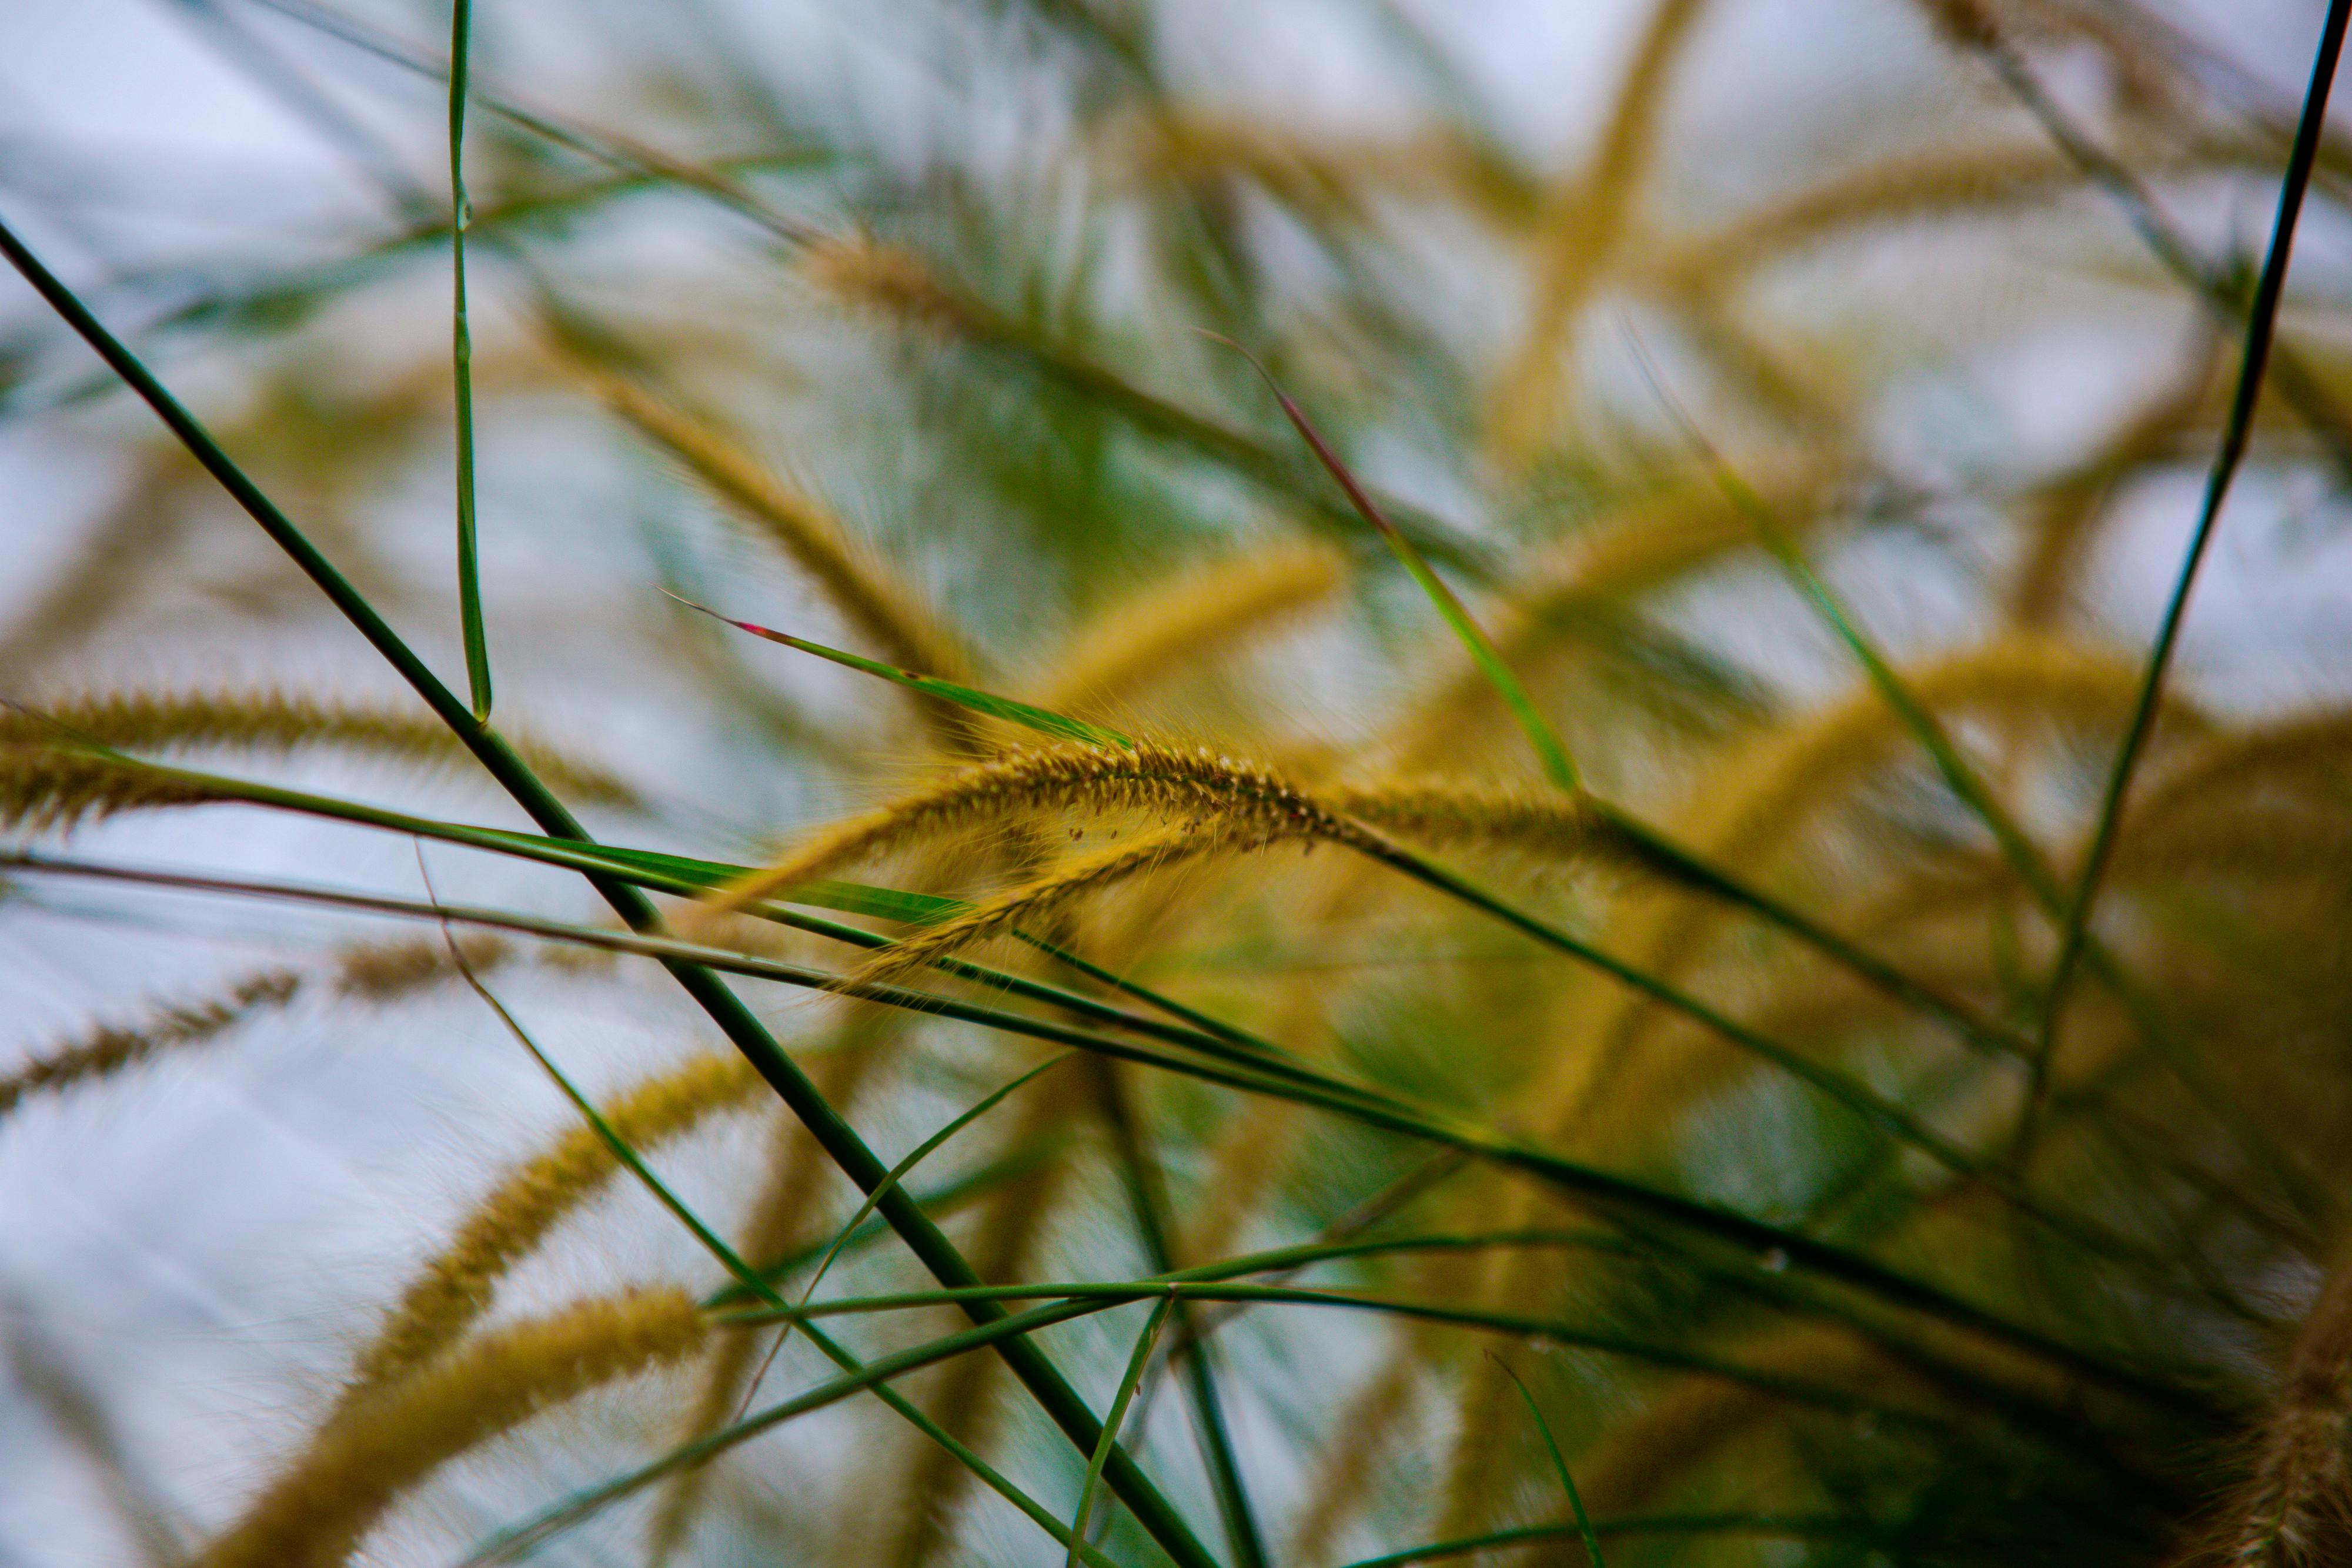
{"points": [[1549, 749], [1551, 1446], [2262, 329], [1060, 727], [461, 216], [1764, 1526], [1119, 1402], [1146, 1191]]}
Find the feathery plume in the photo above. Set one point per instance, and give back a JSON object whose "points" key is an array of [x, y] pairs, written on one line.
{"points": [[1083, 875], [108, 1050], [2296, 1509], [46, 786], [891, 280], [1147, 776], [1584, 231], [1198, 617], [1558, 827], [374, 1450], [457, 1286], [275, 721], [380, 971]]}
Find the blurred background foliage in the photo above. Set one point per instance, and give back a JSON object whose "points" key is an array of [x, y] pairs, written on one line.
{"points": [[1702, 348]]}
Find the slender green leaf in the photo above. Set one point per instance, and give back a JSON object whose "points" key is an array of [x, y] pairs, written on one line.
{"points": [[1059, 726], [914, 1157], [1768, 1526], [1127, 1383], [2237, 431], [1559, 1462], [1549, 749]]}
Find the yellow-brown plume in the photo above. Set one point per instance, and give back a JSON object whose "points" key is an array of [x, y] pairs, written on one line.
{"points": [[2296, 1512], [1263, 813], [1582, 236], [276, 721], [1145, 776], [380, 971], [108, 1050], [893, 282], [1039, 898], [372, 1451], [46, 786], [1332, 178], [1901, 190], [1147, 640], [457, 1286], [1553, 827]]}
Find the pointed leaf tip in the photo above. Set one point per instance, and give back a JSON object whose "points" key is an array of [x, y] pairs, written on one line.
{"points": [[1061, 726]]}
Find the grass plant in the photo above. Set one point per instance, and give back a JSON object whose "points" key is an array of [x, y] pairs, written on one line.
{"points": [[1262, 987]]}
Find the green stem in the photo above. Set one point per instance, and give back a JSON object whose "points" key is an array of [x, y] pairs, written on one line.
{"points": [[1559, 1463], [461, 217]]}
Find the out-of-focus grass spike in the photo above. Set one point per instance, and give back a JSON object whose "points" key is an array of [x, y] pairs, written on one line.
{"points": [[1028, 716], [1549, 749], [461, 214], [1559, 1463], [1116, 1417]]}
